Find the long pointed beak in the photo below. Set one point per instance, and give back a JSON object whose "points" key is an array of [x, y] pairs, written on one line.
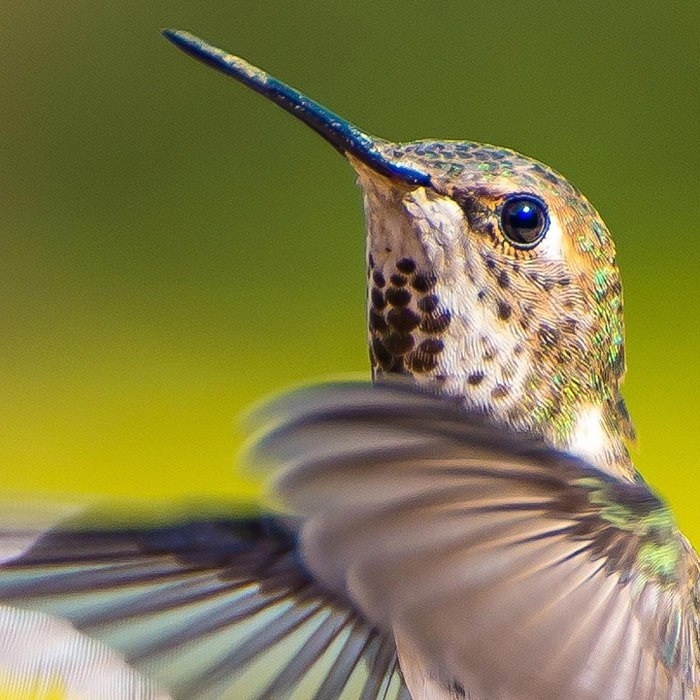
{"points": [[343, 135]]}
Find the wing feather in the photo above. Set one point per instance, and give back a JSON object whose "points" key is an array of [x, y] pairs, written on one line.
{"points": [[211, 608], [499, 564], [41, 656], [415, 541]]}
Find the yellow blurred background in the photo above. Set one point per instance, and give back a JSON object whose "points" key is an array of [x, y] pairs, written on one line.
{"points": [[174, 248]]}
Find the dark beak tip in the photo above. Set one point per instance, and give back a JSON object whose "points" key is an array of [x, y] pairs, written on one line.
{"points": [[170, 34]]}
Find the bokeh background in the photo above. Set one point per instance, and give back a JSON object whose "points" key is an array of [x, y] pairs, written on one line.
{"points": [[173, 248]]}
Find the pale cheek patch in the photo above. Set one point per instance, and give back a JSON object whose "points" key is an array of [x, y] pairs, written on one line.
{"points": [[552, 245]]}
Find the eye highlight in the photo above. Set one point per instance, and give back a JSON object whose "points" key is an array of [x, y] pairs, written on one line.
{"points": [[524, 220]]}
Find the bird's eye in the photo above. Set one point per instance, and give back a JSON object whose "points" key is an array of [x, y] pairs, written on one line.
{"points": [[524, 220]]}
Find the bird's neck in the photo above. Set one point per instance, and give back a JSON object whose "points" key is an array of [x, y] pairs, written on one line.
{"points": [[571, 414], [596, 432], [578, 408]]}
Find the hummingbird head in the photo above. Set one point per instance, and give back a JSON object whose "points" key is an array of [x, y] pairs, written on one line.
{"points": [[497, 283], [491, 278]]}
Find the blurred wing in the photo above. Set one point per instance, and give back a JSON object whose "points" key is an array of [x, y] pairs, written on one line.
{"points": [[503, 568], [42, 657], [218, 608]]}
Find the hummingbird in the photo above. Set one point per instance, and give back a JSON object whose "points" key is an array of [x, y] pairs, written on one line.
{"points": [[468, 524]]}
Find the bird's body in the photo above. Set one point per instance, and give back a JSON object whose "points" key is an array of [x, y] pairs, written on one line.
{"points": [[470, 527]]}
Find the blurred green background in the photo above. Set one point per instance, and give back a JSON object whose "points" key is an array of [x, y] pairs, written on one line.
{"points": [[174, 247]]}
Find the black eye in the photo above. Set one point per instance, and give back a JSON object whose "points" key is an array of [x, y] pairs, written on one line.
{"points": [[524, 220]]}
